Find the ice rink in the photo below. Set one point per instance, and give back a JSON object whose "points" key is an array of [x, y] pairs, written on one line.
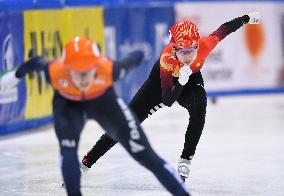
{"points": [[241, 152]]}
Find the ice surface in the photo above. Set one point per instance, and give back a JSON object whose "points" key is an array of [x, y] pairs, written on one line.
{"points": [[241, 152]]}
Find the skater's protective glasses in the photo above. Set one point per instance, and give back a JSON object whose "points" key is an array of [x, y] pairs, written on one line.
{"points": [[185, 51]]}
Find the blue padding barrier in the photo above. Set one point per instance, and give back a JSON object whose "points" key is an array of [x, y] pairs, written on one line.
{"points": [[82, 2], [20, 5], [27, 124], [254, 91], [16, 5], [48, 4]]}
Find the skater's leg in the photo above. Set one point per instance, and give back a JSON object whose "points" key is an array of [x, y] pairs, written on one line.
{"points": [[68, 123], [146, 101], [195, 103], [122, 125]]}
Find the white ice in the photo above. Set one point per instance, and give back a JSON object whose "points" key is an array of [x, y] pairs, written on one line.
{"points": [[241, 153]]}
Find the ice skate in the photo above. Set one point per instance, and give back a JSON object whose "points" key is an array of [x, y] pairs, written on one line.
{"points": [[84, 169], [83, 165], [184, 168]]}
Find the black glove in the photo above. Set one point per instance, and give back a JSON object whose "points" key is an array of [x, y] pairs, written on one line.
{"points": [[133, 58], [35, 64]]}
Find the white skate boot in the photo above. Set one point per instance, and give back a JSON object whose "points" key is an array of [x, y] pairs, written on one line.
{"points": [[83, 164], [84, 168], [184, 168]]}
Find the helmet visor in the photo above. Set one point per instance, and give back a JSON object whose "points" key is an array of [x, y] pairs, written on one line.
{"points": [[186, 51]]}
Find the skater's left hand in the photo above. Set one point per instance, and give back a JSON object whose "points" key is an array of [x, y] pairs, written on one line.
{"points": [[254, 18]]}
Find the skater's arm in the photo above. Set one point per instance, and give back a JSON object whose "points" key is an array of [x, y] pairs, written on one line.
{"points": [[12, 78], [35, 64], [229, 27], [208, 43], [122, 67], [170, 89]]}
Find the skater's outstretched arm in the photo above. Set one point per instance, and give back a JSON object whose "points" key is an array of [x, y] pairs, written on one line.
{"points": [[208, 43], [35, 64], [172, 89], [122, 67], [233, 25]]}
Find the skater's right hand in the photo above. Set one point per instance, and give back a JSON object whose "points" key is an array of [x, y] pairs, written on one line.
{"points": [[184, 74]]}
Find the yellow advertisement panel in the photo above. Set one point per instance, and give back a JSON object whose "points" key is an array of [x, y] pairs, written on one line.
{"points": [[45, 33]]}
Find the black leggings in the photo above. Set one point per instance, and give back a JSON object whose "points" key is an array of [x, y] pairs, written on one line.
{"points": [[148, 99], [119, 122]]}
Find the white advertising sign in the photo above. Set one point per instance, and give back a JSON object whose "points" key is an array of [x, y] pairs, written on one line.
{"points": [[251, 57]]}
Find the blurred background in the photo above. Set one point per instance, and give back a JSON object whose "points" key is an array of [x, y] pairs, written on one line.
{"points": [[249, 61]]}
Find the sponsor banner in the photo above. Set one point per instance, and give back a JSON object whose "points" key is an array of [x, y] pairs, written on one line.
{"points": [[11, 54], [251, 57], [132, 28], [46, 32]]}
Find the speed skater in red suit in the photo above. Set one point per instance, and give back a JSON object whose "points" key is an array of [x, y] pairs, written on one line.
{"points": [[176, 76]]}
